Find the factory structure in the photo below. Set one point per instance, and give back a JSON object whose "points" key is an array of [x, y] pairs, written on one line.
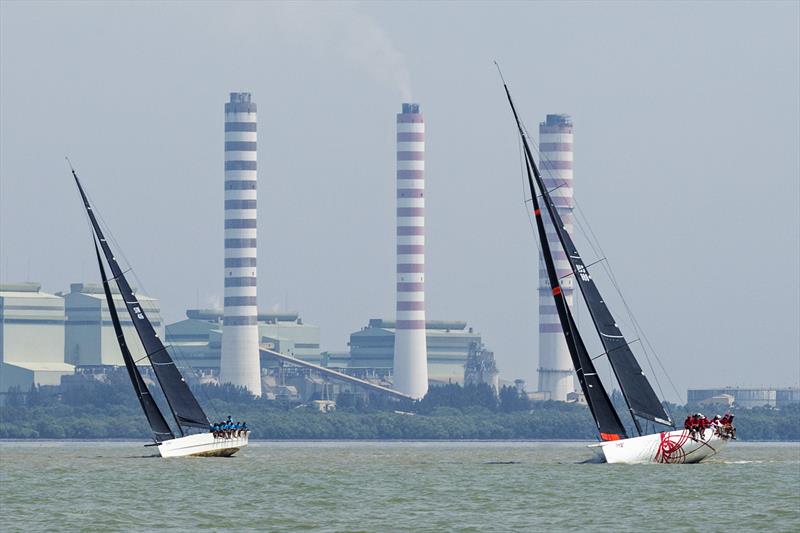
{"points": [[46, 336], [745, 397], [198, 339], [239, 362], [89, 337], [31, 337], [373, 350], [555, 162], [410, 351]]}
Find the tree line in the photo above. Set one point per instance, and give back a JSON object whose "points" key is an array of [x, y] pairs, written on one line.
{"points": [[91, 409]]}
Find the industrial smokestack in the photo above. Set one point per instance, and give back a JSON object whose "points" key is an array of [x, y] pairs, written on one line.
{"points": [[555, 162], [240, 363], [410, 350]]}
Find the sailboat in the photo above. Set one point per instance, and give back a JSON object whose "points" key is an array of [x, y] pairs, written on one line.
{"points": [[615, 446], [183, 406]]}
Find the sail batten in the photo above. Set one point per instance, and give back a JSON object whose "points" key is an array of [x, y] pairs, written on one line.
{"points": [[181, 401]]}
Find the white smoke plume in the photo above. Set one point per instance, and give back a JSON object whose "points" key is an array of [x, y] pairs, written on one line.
{"points": [[343, 30]]}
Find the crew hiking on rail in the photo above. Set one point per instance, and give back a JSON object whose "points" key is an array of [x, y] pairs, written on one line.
{"points": [[228, 429], [697, 424]]}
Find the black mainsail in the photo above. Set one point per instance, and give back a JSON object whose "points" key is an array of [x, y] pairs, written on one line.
{"points": [[161, 430], [636, 389], [180, 399], [639, 395], [608, 422]]}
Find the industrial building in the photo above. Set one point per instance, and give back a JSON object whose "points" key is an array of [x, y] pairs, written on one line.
{"points": [[198, 339], [555, 162], [410, 368], [31, 337], [89, 338], [372, 350], [239, 362], [746, 397]]}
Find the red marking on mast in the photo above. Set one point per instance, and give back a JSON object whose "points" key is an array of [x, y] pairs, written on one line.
{"points": [[556, 291], [537, 212]]}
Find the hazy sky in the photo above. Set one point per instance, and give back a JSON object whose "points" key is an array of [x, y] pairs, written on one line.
{"points": [[687, 127]]}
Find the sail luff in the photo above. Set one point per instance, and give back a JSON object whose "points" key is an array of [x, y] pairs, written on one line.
{"points": [[155, 418], [636, 389], [606, 418], [179, 397], [603, 412]]}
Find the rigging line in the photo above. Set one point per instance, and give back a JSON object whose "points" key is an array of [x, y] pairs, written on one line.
{"points": [[637, 339], [594, 243], [587, 230], [91, 232], [178, 351], [585, 268], [554, 189], [152, 312], [641, 333], [528, 200]]}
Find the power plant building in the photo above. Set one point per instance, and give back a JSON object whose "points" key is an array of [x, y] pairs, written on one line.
{"points": [[89, 338], [373, 349], [747, 398], [198, 339], [239, 362], [31, 337], [410, 351], [555, 163]]}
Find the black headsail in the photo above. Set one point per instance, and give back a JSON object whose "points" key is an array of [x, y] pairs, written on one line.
{"points": [[606, 418], [636, 389], [180, 399], [161, 430]]}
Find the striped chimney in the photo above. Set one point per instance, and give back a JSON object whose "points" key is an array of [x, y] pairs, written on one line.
{"points": [[410, 350], [240, 363], [555, 162]]}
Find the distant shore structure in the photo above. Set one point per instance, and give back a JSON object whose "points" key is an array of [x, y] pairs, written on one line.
{"points": [[555, 163], [410, 350], [239, 360]]}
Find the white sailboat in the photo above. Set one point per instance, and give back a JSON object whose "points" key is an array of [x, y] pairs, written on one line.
{"points": [[184, 407], [667, 446], [679, 446]]}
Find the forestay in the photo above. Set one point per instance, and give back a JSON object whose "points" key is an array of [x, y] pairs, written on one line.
{"points": [[180, 399], [608, 422], [161, 430]]}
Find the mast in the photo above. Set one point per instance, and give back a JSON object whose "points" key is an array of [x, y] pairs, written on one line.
{"points": [[158, 423], [639, 395], [179, 397], [605, 416]]}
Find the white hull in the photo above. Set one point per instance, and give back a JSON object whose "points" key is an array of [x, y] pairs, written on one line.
{"points": [[203, 445], [666, 447]]}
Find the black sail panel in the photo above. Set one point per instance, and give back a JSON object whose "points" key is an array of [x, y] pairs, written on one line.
{"points": [[606, 418], [639, 394], [636, 388], [180, 399], [608, 422], [158, 423]]}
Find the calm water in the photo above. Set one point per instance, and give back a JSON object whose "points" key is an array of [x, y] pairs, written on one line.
{"points": [[393, 486]]}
